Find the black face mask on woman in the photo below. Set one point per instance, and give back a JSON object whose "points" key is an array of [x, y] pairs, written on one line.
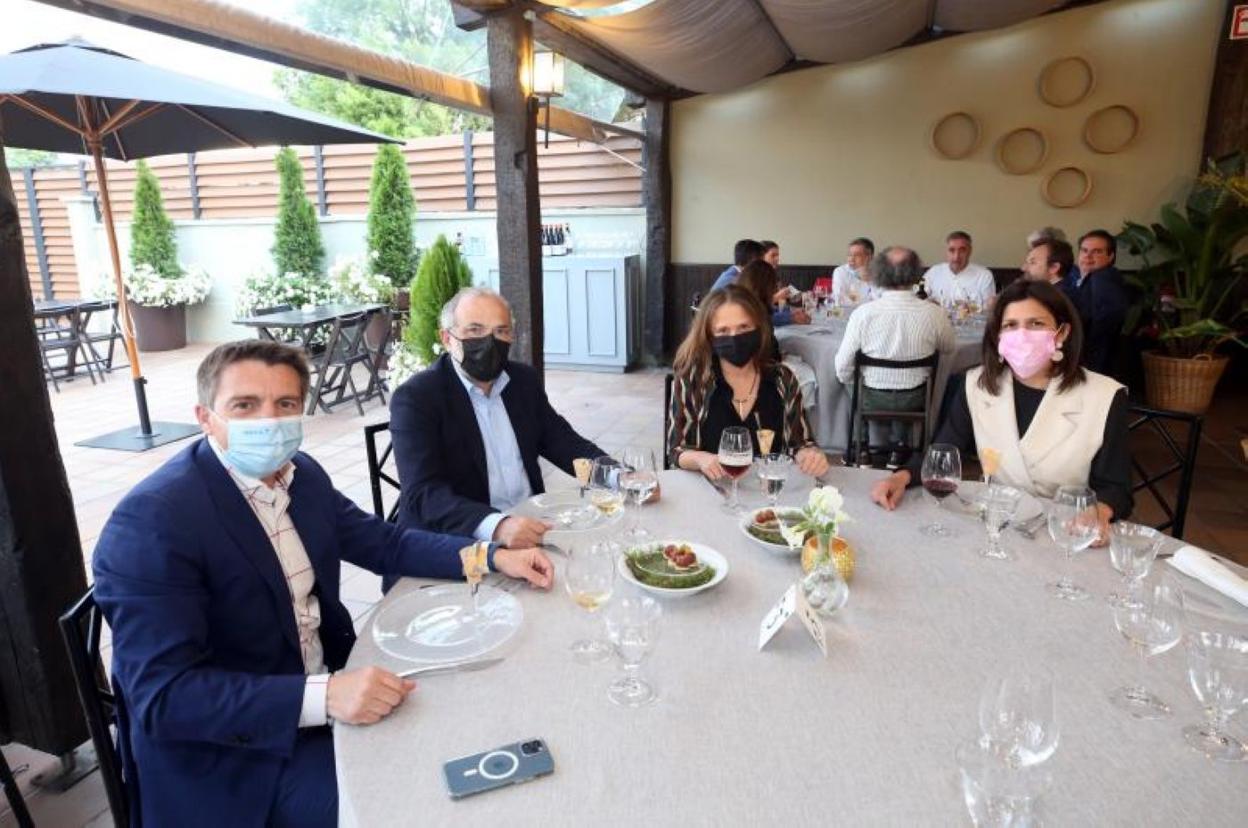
{"points": [[484, 357], [738, 349]]}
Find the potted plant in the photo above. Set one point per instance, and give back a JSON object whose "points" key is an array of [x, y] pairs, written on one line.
{"points": [[353, 280], [391, 214], [1191, 281]]}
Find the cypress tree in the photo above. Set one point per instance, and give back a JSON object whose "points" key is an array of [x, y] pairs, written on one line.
{"points": [[441, 274], [391, 211], [297, 247], [151, 232]]}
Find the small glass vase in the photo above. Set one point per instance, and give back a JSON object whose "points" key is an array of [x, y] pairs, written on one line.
{"points": [[823, 587]]}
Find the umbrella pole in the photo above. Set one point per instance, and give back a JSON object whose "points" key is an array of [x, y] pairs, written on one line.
{"points": [[95, 143]]}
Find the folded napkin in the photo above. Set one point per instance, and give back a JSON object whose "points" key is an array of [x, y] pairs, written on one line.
{"points": [[1198, 564]]}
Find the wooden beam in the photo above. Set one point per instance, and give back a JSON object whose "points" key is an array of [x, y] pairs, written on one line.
{"points": [[509, 41], [1226, 123], [656, 191], [41, 569], [555, 29]]}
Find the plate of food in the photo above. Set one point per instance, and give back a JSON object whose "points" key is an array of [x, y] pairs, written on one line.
{"points": [[763, 527], [673, 568], [569, 512]]}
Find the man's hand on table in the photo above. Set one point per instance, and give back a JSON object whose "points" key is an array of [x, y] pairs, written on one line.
{"points": [[366, 695], [520, 532], [889, 491], [529, 564], [812, 461]]}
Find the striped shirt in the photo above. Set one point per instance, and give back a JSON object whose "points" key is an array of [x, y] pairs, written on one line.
{"points": [[900, 326]]}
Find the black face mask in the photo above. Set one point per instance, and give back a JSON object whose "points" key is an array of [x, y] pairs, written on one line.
{"points": [[739, 349], [484, 357]]}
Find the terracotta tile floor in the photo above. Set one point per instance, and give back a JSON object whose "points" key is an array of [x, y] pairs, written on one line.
{"points": [[613, 410]]}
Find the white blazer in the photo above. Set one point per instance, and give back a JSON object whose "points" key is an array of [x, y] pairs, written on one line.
{"points": [[1064, 436]]}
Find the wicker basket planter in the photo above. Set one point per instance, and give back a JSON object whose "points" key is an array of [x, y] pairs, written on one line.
{"points": [[1178, 384]]}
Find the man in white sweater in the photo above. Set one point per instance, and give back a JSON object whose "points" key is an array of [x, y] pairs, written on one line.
{"points": [[958, 279]]}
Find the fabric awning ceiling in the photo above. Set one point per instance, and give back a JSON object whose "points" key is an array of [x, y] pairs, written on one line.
{"points": [[719, 45]]}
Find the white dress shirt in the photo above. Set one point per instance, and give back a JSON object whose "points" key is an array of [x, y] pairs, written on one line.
{"points": [[270, 507], [849, 289], [900, 326], [973, 284]]}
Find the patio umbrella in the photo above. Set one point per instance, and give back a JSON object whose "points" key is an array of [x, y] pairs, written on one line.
{"points": [[74, 97]]}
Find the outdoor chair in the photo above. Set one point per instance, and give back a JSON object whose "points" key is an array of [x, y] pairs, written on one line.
{"points": [[345, 349], [1182, 449], [377, 473], [14, 795], [66, 341], [81, 626], [379, 353], [860, 449], [102, 362]]}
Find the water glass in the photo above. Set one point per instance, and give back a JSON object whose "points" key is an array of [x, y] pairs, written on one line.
{"points": [[633, 629], [1132, 549], [736, 455], [941, 474], [997, 506], [1074, 525], [589, 580], [1018, 718], [773, 471], [996, 795], [1153, 624], [1217, 664], [638, 480], [604, 486]]}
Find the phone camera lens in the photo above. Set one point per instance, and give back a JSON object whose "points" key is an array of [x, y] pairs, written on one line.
{"points": [[531, 748]]}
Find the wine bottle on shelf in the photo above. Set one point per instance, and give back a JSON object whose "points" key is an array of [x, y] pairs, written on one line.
{"points": [[545, 240], [560, 250], [567, 239]]}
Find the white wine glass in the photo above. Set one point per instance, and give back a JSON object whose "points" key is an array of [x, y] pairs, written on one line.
{"points": [[1018, 717], [1074, 525], [604, 486], [736, 455], [633, 629], [773, 472], [1132, 549], [590, 579], [638, 480], [941, 474], [1217, 664], [1153, 624], [998, 505]]}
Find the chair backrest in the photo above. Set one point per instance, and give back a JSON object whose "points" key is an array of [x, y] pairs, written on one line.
{"points": [[346, 338], [1182, 450], [81, 626], [377, 473], [667, 418], [861, 361]]}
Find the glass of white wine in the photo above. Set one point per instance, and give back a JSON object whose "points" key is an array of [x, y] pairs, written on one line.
{"points": [[590, 580], [604, 486]]}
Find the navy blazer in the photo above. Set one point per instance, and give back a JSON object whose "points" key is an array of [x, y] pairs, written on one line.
{"points": [[205, 648], [441, 455], [1102, 301]]}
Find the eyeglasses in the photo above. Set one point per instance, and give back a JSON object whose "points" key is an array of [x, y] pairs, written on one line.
{"points": [[478, 331]]}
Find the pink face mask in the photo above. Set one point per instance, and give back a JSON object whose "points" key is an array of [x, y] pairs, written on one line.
{"points": [[1027, 352]]}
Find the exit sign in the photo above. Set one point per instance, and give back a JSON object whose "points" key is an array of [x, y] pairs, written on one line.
{"points": [[1239, 23]]}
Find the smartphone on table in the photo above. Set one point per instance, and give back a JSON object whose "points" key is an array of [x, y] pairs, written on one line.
{"points": [[507, 765]]}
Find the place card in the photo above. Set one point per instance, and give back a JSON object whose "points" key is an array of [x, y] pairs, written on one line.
{"points": [[793, 602]]}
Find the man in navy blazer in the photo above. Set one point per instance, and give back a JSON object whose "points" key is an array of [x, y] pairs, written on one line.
{"points": [[218, 575], [468, 431], [1100, 295]]}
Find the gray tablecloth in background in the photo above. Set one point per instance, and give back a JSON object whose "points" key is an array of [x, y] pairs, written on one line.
{"points": [[784, 736], [817, 346]]}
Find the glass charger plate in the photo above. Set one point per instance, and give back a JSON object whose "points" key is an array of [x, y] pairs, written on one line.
{"points": [[440, 624], [567, 512]]}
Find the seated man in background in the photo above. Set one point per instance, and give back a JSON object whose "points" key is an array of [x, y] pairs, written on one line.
{"points": [[958, 279], [851, 282], [897, 326], [218, 576], [469, 429], [1100, 295], [743, 252], [1050, 260]]}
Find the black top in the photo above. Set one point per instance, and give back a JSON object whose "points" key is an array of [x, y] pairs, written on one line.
{"points": [[768, 412], [1110, 474]]}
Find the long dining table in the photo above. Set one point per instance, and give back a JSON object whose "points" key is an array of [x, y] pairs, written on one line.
{"points": [[784, 735]]}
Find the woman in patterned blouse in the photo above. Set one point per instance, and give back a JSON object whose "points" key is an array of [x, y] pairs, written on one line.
{"points": [[725, 376]]}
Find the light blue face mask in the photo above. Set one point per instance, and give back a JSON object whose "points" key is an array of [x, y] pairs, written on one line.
{"points": [[258, 447]]}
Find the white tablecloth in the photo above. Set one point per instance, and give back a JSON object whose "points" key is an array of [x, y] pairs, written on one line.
{"points": [[817, 346], [784, 736]]}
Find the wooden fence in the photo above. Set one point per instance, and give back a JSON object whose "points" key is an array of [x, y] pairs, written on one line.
{"points": [[447, 173]]}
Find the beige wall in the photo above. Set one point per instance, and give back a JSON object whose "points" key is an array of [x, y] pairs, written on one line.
{"points": [[816, 157]]}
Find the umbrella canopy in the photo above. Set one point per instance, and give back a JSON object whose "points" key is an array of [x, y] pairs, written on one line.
{"points": [[159, 111]]}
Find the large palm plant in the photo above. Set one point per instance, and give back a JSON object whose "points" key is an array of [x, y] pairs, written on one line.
{"points": [[1194, 267]]}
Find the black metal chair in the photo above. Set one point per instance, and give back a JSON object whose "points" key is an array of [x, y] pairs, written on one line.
{"points": [[667, 418], [14, 795], [1182, 450], [377, 473], [102, 362], [81, 626], [345, 349], [65, 340], [859, 450]]}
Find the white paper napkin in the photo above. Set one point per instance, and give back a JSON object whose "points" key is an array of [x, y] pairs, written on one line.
{"points": [[1198, 564]]}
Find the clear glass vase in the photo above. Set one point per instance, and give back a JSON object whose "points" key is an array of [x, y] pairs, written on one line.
{"points": [[823, 587]]}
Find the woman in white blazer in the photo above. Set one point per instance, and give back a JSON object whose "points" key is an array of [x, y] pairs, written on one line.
{"points": [[1053, 422]]}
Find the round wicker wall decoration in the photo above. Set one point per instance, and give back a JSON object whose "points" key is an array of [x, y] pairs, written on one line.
{"points": [[955, 136], [1066, 81], [1067, 187], [1111, 129], [1022, 151]]}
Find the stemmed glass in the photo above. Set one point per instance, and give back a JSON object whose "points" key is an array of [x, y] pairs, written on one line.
{"points": [[1217, 664], [1018, 718], [589, 579], [1132, 548], [1153, 625], [638, 480], [604, 486], [633, 629], [942, 471], [773, 471], [736, 455], [1074, 526], [997, 507]]}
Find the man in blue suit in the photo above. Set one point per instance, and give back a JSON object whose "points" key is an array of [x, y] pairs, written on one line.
{"points": [[218, 575], [468, 430], [1100, 295]]}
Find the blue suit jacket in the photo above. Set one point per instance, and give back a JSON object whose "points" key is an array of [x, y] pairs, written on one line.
{"points": [[1102, 301], [441, 455], [205, 648]]}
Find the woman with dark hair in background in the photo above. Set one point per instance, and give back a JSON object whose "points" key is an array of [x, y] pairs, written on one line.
{"points": [[763, 281]]}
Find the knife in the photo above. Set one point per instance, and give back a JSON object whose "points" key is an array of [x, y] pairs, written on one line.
{"points": [[457, 667]]}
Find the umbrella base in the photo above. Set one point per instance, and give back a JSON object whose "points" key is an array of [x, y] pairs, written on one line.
{"points": [[133, 439]]}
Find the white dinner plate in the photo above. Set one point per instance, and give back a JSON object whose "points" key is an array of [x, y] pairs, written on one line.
{"points": [[443, 624], [567, 512], [781, 549], [705, 554], [964, 501]]}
